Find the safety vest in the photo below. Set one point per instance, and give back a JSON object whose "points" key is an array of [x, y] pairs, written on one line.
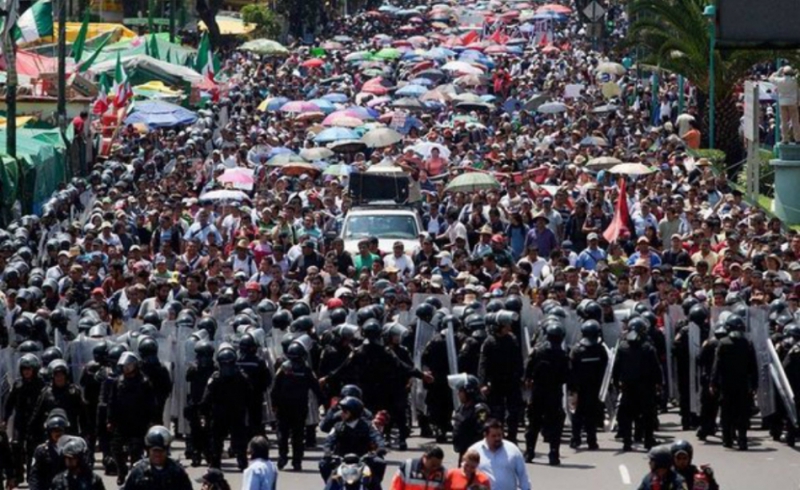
{"points": [[411, 476]]}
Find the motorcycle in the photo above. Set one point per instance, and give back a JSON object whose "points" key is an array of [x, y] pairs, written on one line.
{"points": [[352, 473]]}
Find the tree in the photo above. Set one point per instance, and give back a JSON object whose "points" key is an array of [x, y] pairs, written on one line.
{"points": [[207, 10], [302, 16], [267, 23], [676, 37]]}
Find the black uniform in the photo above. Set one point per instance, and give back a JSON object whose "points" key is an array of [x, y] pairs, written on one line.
{"points": [[90, 385], [107, 376], [260, 379], [132, 406], [791, 365], [438, 396], [6, 461], [21, 402], [47, 463], [333, 356], [637, 373], [468, 420], [547, 369], [160, 379], [360, 438], [145, 476], [500, 369], [735, 377], [587, 366], [680, 351], [197, 378], [69, 399], [84, 481], [225, 403], [290, 401], [709, 402], [397, 393], [469, 356]]}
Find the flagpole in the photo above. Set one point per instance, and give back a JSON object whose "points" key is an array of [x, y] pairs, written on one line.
{"points": [[11, 94], [62, 65]]}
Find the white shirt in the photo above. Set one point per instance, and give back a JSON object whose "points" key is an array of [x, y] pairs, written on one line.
{"points": [[260, 475], [403, 263], [505, 467]]}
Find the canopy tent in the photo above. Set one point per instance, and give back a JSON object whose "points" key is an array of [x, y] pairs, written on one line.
{"points": [[229, 25], [159, 114], [32, 65], [142, 44], [142, 69]]}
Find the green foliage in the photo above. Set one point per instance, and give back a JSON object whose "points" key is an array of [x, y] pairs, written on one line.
{"points": [[267, 22]]}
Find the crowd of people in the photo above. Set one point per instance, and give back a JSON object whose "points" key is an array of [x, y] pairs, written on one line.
{"points": [[151, 299]]}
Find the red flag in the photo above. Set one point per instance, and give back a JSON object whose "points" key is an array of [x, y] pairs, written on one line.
{"points": [[499, 36], [543, 42], [470, 37], [100, 105], [620, 221]]}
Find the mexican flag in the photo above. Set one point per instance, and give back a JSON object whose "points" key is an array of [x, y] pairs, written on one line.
{"points": [[35, 23], [122, 87], [205, 59]]}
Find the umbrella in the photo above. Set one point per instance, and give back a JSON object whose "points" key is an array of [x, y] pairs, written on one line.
{"points": [[600, 163], [285, 158], [471, 80], [324, 105], [554, 7], [272, 104], [335, 97], [160, 114], [593, 141], [467, 97], [317, 153], [550, 49], [332, 45], [299, 106], [298, 168], [431, 74], [408, 103], [535, 102], [552, 108], [379, 101], [411, 90], [280, 150], [338, 170], [313, 63], [358, 56], [611, 68], [462, 67], [425, 148], [310, 116], [631, 169], [265, 46], [347, 146], [475, 106], [331, 135], [388, 54], [343, 39], [381, 137], [242, 176], [375, 87], [422, 81], [344, 122], [224, 196], [605, 108], [471, 182]]}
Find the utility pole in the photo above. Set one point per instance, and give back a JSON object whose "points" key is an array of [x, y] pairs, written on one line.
{"points": [[9, 47], [62, 68], [173, 7]]}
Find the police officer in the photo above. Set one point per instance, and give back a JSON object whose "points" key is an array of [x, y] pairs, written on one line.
{"points": [[735, 378], [471, 414], [78, 472], [695, 478], [157, 471], [500, 372], [90, 385], [335, 353], [132, 406], [47, 462], [587, 366], [293, 381], [21, 402], [225, 400], [260, 377], [709, 402], [197, 376], [438, 397], [352, 435], [334, 414], [157, 373], [661, 475], [397, 385], [698, 315], [6, 461], [59, 394], [546, 373], [637, 374], [469, 355], [107, 377]]}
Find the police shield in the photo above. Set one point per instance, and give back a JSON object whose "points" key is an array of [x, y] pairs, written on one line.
{"points": [[79, 353], [694, 371], [782, 386], [182, 346], [606, 384], [403, 318], [452, 357], [759, 335], [611, 332], [671, 319], [572, 325], [6, 378], [424, 333], [222, 314]]}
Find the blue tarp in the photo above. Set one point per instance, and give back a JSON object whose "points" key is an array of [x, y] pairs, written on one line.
{"points": [[160, 114]]}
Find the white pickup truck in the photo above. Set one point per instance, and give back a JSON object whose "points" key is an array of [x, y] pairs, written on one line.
{"points": [[389, 224]]}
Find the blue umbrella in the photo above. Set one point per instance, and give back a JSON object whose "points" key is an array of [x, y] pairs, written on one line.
{"points": [[160, 114], [364, 112], [421, 81], [335, 134], [325, 105], [488, 98], [278, 151], [549, 16], [335, 97], [439, 53], [410, 56], [276, 103], [412, 90]]}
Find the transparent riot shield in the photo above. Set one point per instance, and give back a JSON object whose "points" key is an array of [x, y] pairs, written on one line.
{"points": [[79, 353], [404, 318], [266, 321], [673, 316], [695, 343], [759, 334], [182, 347], [6, 379], [222, 314], [420, 298], [572, 325], [782, 385], [606, 384], [424, 333], [452, 358], [611, 332], [719, 314]]}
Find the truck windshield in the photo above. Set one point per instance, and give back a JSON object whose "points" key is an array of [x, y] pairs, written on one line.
{"points": [[386, 227]]}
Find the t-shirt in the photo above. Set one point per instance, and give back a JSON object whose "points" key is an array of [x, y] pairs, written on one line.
{"points": [[360, 262]]}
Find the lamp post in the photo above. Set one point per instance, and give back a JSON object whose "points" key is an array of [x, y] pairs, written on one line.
{"points": [[710, 13]]}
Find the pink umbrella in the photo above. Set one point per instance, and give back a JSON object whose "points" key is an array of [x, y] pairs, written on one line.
{"points": [[300, 106], [343, 122], [496, 49], [241, 176], [374, 87], [378, 101], [554, 7]]}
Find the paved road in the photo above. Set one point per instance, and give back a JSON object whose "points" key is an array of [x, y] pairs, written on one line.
{"points": [[766, 465]]}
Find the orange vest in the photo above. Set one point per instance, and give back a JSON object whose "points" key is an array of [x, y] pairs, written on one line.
{"points": [[410, 476], [457, 480]]}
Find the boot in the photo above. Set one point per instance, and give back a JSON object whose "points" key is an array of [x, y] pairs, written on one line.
{"points": [[554, 459]]}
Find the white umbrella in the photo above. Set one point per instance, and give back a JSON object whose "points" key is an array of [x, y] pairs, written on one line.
{"points": [[425, 148], [381, 137], [224, 195], [631, 169], [603, 162], [318, 153], [611, 68], [462, 67], [552, 108]]}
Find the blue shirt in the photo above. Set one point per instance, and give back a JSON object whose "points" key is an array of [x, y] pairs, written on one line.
{"points": [[589, 258], [260, 475], [655, 260], [504, 467]]}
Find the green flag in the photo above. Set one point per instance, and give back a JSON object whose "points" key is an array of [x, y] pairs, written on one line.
{"points": [[88, 62], [204, 63], [154, 47], [168, 58], [104, 82], [35, 23], [80, 40]]}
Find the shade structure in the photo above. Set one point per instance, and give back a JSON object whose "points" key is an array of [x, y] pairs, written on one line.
{"points": [[160, 114], [472, 181]]}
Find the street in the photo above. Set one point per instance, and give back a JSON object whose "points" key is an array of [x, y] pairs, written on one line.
{"points": [[767, 465]]}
